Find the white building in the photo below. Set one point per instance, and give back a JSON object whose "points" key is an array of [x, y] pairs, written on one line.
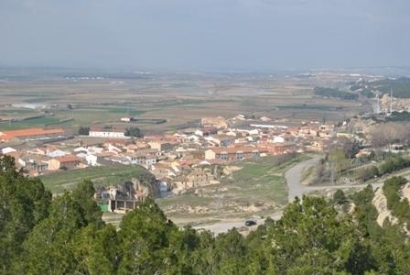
{"points": [[199, 133], [106, 133], [278, 139], [125, 119], [91, 160], [7, 150], [56, 154]]}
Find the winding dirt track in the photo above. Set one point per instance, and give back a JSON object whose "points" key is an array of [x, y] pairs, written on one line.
{"points": [[295, 189], [293, 178]]}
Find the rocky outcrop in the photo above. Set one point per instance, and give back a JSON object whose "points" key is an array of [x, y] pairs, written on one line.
{"points": [[228, 170], [144, 184], [380, 202]]}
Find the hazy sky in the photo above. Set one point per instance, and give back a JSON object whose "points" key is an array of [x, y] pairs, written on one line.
{"points": [[205, 34]]}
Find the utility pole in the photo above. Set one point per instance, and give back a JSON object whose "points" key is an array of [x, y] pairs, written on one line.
{"points": [[377, 109]]}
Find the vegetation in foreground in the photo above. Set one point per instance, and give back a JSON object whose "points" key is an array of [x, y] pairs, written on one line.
{"points": [[66, 235]]}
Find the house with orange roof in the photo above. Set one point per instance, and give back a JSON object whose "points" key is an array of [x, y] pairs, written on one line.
{"points": [[161, 146], [234, 154], [66, 162], [221, 140], [117, 142], [132, 148], [198, 177], [34, 164], [15, 154], [278, 148]]}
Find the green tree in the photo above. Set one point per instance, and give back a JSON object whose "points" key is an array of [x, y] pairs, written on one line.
{"points": [[310, 234], [231, 252], [203, 258], [96, 250], [339, 162], [49, 247], [84, 131], [367, 173], [23, 203], [133, 132], [339, 197], [83, 195], [144, 237], [182, 245]]}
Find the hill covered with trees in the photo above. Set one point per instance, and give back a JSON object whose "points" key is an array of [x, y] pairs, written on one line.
{"points": [[66, 235], [399, 86]]}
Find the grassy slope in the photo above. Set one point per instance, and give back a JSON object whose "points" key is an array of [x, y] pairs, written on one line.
{"points": [[67, 180], [258, 182]]}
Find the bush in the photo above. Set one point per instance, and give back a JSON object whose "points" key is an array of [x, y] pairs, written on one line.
{"points": [[367, 173], [84, 131], [400, 208], [393, 164], [339, 197]]}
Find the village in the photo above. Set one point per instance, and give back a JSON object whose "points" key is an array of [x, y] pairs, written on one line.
{"points": [[178, 160]]}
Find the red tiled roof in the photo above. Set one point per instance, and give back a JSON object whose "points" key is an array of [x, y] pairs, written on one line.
{"points": [[67, 158], [30, 132], [15, 154], [153, 138], [117, 141], [293, 129]]}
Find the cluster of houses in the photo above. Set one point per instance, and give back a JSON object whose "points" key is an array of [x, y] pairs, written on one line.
{"points": [[179, 160]]}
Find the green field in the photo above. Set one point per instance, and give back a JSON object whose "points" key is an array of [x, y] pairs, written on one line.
{"points": [[107, 175], [18, 112], [329, 107], [262, 180], [29, 123], [124, 111], [41, 98]]}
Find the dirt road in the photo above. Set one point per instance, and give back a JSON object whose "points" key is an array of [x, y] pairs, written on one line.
{"points": [[295, 189], [293, 179]]}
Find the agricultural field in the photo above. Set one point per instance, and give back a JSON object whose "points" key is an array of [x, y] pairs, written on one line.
{"points": [[257, 188], [74, 102]]}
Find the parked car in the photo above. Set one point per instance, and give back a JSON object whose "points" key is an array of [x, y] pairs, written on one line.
{"points": [[250, 223]]}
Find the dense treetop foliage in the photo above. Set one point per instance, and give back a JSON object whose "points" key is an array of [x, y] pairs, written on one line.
{"points": [[133, 132], [399, 116], [399, 86], [66, 235], [84, 131], [390, 165]]}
